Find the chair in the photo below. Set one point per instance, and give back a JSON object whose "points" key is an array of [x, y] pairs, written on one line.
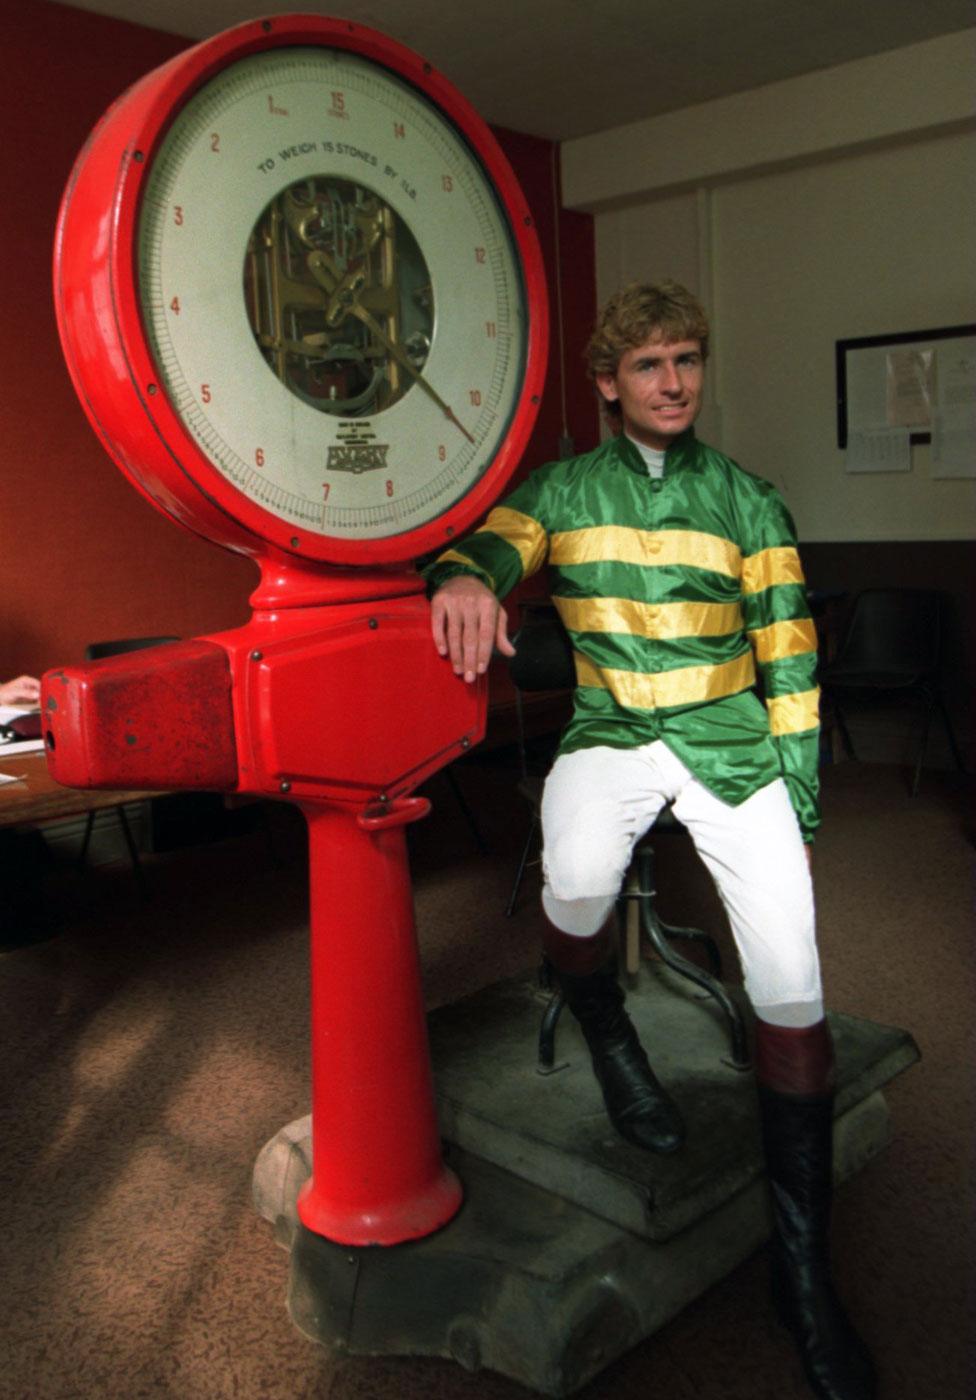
{"points": [[465, 809], [97, 651], [892, 648], [543, 661]]}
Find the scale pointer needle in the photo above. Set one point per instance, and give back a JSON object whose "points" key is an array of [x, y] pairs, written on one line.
{"points": [[344, 299]]}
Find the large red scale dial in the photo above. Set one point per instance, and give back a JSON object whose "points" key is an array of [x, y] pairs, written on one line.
{"points": [[301, 299]]}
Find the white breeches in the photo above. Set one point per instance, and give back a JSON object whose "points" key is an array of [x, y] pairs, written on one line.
{"points": [[598, 802]]}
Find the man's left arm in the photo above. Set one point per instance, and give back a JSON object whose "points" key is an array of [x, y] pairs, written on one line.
{"points": [[784, 639]]}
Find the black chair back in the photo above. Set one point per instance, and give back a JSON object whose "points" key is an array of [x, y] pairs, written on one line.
{"points": [[543, 657], [892, 630], [543, 661], [96, 651]]}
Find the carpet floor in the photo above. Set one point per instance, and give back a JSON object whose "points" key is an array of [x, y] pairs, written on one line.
{"points": [[148, 1050]]}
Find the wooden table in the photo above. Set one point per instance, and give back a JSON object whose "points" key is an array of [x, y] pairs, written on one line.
{"points": [[40, 799]]}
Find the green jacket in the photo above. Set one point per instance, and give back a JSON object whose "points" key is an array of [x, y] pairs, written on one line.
{"points": [[673, 592]]}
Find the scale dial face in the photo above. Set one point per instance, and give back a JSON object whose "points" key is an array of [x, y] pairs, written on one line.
{"points": [[338, 293]]}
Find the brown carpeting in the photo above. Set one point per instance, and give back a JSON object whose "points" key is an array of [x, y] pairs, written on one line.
{"points": [[148, 1051]]}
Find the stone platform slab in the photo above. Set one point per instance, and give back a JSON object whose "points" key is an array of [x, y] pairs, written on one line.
{"points": [[571, 1245], [553, 1129]]}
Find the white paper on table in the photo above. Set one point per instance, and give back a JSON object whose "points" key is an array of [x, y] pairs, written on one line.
{"points": [[9, 712], [879, 449], [20, 746]]}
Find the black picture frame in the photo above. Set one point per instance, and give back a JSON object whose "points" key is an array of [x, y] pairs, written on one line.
{"points": [[843, 348]]}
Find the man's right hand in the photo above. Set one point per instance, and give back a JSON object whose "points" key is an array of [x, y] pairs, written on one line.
{"points": [[467, 620]]}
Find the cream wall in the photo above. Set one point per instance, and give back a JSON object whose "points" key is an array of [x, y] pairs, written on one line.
{"points": [[841, 204]]}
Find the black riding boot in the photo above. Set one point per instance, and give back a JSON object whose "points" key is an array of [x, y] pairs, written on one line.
{"points": [[797, 1131], [639, 1107]]}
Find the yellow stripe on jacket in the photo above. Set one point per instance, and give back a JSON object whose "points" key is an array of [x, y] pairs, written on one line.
{"points": [[792, 714], [688, 685], [780, 564], [782, 639], [623, 544], [520, 531], [664, 620]]}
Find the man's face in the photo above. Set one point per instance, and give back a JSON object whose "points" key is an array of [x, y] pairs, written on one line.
{"points": [[659, 388]]}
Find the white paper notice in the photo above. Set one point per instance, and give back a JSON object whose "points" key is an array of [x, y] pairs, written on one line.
{"points": [[954, 442], [910, 388], [878, 450]]}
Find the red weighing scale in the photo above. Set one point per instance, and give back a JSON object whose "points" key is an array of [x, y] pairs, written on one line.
{"points": [[302, 301]]}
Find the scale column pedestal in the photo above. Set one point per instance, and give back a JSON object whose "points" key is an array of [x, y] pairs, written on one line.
{"points": [[377, 1172]]}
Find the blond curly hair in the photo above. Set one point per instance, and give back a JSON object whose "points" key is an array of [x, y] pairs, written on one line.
{"points": [[638, 313]]}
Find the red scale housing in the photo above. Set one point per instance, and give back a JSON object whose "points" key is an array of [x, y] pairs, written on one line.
{"points": [[332, 695]]}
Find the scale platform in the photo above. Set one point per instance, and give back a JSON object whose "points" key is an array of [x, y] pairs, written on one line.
{"points": [[571, 1246]]}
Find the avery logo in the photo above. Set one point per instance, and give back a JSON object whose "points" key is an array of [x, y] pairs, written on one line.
{"points": [[357, 450]]}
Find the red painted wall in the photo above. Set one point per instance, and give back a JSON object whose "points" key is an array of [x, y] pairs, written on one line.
{"points": [[82, 556]]}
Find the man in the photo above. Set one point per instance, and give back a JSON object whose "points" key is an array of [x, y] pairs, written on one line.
{"points": [[676, 575]]}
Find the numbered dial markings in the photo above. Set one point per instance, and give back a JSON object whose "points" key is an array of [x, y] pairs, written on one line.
{"points": [[331, 293]]}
